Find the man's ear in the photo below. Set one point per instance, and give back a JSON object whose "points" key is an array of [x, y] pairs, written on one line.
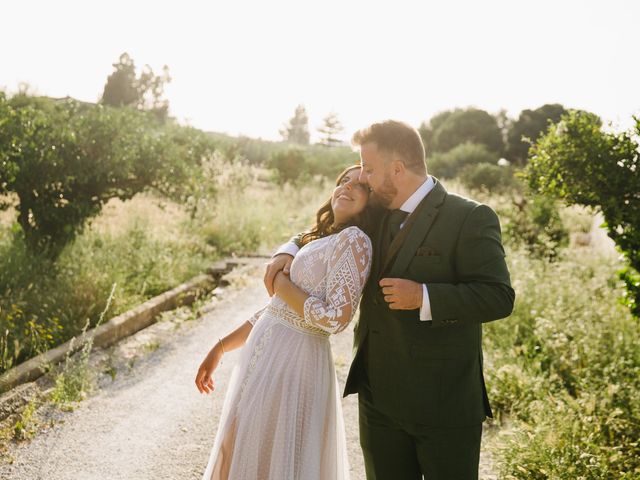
{"points": [[398, 165]]}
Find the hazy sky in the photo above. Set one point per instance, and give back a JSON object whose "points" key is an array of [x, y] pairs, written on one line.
{"points": [[242, 66]]}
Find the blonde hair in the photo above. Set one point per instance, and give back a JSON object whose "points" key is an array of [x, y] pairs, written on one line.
{"points": [[395, 137]]}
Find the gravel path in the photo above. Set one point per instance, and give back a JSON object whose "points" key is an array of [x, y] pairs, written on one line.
{"points": [[599, 238], [150, 422]]}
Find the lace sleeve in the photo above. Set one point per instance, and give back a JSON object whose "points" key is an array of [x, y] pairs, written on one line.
{"points": [[256, 316], [347, 271]]}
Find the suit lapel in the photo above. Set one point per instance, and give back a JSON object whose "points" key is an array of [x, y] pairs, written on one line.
{"points": [[407, 241]]}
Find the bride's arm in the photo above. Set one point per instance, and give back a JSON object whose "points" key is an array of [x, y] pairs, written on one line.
{"points": [[347, 272], [232, 341], [288, 291], [237, 338]]}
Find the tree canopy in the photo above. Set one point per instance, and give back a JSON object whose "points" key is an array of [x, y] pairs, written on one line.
{"points": [[125, 88], [451, 128], [580, 163], [528, 127], [296, 130], [64, 160], [330, 129]]}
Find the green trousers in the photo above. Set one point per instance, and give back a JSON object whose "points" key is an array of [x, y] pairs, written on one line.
{"points": [[395, 450]]}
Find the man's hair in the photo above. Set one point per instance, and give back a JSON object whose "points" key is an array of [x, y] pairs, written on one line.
{"points": [[396, 137]]}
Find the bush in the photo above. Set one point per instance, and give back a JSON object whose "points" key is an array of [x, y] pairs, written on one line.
{"points": [[65, 160], [233, 225], [565, 369], [487, 176], [580, 163], [289, 164], [330, 161], [317, 159], [298, 164], [451, 163], [255, 151], [533, 222], [43, 303]]}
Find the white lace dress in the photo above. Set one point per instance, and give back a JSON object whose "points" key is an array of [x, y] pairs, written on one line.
{"points": [[282, 416]]}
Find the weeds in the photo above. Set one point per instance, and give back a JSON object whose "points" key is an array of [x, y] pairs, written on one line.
{"points": [[26, 425], [76, 380]]}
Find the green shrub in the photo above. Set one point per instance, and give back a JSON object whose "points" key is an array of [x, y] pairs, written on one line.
{"points": [[451, 163], [65, 160], [582, 164], [76, 379], [145, 250], [565, 369], [330, 161], [233, 225], [487, 176], [289, 164], [534, 222], [451, 128], [293, 164]]}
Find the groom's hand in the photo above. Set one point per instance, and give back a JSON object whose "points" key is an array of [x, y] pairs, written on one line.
{"points": [[402, 294], [279, 263]]}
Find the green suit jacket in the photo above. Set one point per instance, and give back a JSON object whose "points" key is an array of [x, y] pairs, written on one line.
{"points": [[430, 373]]}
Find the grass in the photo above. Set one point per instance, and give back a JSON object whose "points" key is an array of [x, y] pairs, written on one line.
{"points": [[76, 379], [565, 369], [146, 246], [25, 426], [245, 212], [151, 346]]}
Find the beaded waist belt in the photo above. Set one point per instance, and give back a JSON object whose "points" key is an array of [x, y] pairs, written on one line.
{"points": [[283, 314]]}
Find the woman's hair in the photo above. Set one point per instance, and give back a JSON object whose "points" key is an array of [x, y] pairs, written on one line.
{"points": [[365, 220]]}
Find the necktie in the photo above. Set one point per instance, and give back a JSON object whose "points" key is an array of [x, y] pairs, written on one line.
{"points": [[395, 220]]}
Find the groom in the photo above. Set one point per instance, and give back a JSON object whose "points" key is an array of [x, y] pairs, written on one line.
{"points": [[438, 274]]}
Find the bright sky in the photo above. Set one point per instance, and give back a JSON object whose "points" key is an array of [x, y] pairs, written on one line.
{"points": [[242, 66]]}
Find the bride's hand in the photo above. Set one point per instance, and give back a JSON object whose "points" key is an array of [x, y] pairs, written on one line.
{"points": [[279, 282], [279, 263], [204, 381]]}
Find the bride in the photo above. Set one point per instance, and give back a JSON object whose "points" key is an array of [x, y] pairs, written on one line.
{"points": [[282, 417]]}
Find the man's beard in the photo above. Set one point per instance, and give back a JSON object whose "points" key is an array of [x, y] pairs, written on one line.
{"points": [[384, 195]]}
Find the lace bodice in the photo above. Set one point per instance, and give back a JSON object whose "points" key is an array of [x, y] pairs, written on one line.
{"points": [[333, 271]]}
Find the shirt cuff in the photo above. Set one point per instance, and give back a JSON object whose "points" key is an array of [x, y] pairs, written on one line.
{"points": [[289, 248], [425, 310]]}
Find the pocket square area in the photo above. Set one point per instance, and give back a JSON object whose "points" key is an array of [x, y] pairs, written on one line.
{"points": [[426, 251]]}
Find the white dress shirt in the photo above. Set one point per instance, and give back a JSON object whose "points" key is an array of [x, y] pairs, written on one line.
{"points": [[408, 206]]}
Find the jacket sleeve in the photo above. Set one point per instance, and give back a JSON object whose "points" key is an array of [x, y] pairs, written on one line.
{"points": [[291, 247], [483, 291]]}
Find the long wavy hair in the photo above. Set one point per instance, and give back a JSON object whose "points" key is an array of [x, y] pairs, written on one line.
{"points": [[365, 220]]}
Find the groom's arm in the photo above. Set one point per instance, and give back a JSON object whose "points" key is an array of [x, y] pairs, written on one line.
{"points": [[281, 261], [482, 291], [291, 247]]}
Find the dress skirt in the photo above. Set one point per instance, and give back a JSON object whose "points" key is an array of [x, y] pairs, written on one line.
{"points": [[282, 416]]}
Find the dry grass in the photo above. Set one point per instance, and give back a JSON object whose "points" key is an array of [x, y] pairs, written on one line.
{"points": [[145, 246]]}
